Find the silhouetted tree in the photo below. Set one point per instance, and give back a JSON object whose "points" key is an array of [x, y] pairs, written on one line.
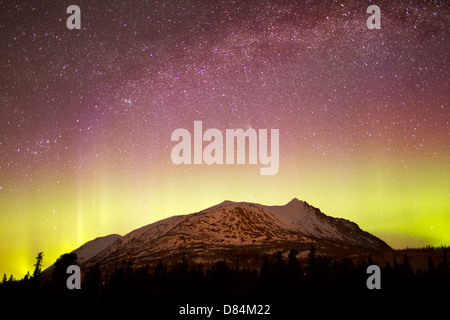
{"points": [[177, 279], [443, 266], [220, 284], [27, 276], [158, 281], [92, 282], [294, 275], [58, 287], [38, 265], [311, 258], [265, 278], [196, 282]]}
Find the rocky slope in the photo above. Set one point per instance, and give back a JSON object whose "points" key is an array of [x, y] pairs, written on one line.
{"points": [[237, 231]]}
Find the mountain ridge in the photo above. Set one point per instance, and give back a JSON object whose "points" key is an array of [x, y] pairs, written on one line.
{"points": [[89, 250], [239, 230]]}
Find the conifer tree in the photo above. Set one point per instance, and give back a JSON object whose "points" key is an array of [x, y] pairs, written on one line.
{"points": [[38, 265]]}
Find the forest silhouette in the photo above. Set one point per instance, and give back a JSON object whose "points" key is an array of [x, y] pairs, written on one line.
{"points": [[314, 277]]}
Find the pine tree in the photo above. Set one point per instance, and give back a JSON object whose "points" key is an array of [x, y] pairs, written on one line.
{"points": [[38, 265], [312, 260]]}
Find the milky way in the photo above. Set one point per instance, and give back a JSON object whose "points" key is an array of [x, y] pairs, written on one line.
{"points": [[86, 115]]}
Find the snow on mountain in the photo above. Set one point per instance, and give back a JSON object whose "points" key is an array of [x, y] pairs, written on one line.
{"points": [[89, 250], [310, 221], [93, 247], [229, 227]]}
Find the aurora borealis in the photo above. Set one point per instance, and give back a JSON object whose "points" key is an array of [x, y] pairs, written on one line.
{"points": [[86, 116]]}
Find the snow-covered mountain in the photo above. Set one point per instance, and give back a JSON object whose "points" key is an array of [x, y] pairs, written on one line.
{"points": [[89, 250], [93, 247], [311, 222], [239, 230]]}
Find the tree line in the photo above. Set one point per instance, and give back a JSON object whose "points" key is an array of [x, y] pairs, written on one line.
{"points": [[315, 277]]}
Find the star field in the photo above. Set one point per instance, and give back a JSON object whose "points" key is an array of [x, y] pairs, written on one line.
{"points": [[86, 115]]}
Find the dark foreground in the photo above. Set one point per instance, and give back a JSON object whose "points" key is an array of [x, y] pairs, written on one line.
{"points": [[278, 284]]}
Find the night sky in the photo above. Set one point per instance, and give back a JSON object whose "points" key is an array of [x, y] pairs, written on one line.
{"points": [[86, 115]]}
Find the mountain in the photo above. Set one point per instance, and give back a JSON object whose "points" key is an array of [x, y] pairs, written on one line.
{"points": [[89, 250], [93, 247], [237, 231]]}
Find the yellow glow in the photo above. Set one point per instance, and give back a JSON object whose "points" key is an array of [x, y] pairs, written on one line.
{"points": [[405, 207]]}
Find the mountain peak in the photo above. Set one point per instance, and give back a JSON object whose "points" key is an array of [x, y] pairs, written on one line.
{"points": [[294, 201], [227, 203], [237, 228]]}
